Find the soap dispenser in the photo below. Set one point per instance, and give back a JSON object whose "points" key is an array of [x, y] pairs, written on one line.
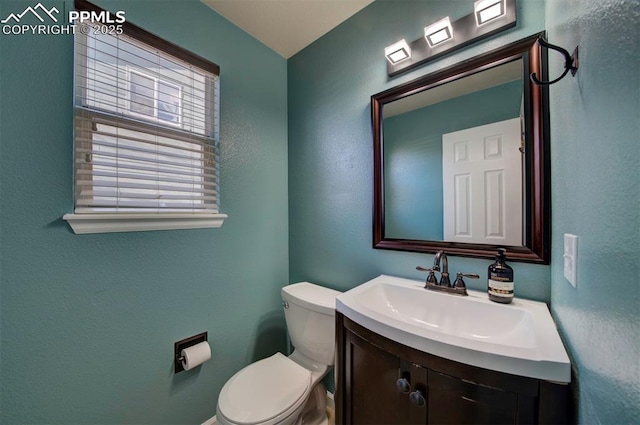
{"points": [[500, 279]]}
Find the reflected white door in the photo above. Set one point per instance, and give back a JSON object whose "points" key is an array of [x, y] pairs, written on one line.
{"points": [[482, 182]]}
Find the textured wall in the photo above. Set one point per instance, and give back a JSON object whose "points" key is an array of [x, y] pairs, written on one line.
{"points": [[89, 321], [595, 136], [330, 144]]}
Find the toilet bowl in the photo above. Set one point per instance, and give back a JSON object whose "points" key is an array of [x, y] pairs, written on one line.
{"points": [[287, 390]]}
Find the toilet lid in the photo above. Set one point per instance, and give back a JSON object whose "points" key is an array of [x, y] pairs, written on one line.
{"points": [[263, 390]]}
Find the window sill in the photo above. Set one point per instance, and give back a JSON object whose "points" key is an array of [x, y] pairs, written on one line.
{"points": [[108, 223]]}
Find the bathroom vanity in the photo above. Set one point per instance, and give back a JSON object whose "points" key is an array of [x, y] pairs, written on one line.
{"points": [[398, 363]]}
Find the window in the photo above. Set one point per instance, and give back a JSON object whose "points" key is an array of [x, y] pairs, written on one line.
{"points": [[146, 134], [154, 98]]}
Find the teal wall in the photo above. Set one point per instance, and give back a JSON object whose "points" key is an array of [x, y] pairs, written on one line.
{"points": [[89, 321], [595, 133], [330, 145], [413, 156]]}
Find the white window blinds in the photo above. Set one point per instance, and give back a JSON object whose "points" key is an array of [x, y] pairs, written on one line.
{"points": [[146, 127]]}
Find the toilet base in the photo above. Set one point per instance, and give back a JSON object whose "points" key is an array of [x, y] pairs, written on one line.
{"points": [[315, 409], [314, 417]]}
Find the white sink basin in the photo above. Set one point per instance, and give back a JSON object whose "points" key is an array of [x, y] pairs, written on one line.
{"points": [[518, 338]]}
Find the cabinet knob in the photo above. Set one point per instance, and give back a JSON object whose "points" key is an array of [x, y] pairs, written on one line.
{"points": [[417, 399], [403, 386]]}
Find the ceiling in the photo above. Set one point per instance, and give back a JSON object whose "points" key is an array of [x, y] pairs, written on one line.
{"points": [[287, 26]]}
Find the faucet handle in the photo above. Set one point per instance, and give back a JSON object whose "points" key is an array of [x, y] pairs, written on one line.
{"points": [[431, 278], [459, 283]]}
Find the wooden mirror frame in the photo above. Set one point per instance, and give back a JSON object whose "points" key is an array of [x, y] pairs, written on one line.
{"points": [[537, 208]]}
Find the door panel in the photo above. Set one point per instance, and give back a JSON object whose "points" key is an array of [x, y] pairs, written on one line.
{"points": [[376, 398], [482, 183], [455, 401]]}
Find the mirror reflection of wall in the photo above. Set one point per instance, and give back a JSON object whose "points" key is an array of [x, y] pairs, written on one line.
{"points": [[413, 146]]}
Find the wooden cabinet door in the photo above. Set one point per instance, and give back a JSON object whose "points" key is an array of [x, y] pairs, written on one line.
{"points": [[372, 391], [369, 366], [456, 401]]}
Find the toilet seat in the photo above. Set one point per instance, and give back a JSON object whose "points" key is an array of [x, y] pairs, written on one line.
{"points": [[271, 388]]}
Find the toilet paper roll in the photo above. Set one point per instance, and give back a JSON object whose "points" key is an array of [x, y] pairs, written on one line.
{"points": [[195, 355]]}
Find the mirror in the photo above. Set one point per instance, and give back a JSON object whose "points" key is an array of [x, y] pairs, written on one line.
{"points": [[461, 159]]}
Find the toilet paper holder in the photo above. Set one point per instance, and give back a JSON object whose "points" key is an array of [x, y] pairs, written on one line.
{"points": [[181, 345]]}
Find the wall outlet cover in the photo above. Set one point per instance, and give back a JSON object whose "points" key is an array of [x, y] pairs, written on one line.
{"points": [[571, 259]]}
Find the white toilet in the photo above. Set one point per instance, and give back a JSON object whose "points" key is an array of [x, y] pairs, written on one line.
{"points": [[288, 390]]}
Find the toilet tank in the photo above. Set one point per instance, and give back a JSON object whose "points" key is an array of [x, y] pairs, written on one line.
{"points": [[310, 314]]}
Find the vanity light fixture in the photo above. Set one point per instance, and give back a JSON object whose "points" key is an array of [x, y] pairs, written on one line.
{"points": [[488, 10], [397, 52], [439, 32], [487, 18]]}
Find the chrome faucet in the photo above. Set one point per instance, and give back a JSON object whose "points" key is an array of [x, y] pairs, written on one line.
{"points": [[444, 276], [431, 283]]}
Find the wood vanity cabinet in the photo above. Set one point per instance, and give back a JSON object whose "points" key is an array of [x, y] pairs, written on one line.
{"points": [[379, 381]]}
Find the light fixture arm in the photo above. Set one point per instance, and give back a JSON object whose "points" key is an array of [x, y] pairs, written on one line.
{"points": [[570, 63]]}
